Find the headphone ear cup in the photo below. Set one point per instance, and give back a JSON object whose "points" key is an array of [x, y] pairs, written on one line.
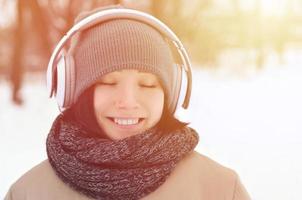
{"points": [[70, 80], [49, 79], [181, 89], [61, 80], [175, 90]]}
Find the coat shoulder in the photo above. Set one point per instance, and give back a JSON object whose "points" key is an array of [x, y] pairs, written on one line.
{"points": [[41, 182], [32, 181], [214, 178], [33, 178], [198, 177], [210, 168], [214, 167]]}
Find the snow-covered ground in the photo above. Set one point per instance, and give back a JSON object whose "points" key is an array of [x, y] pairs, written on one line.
{"points": [[252, 124]]}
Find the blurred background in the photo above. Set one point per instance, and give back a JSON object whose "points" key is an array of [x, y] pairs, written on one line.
{"points": [[247, 83]]}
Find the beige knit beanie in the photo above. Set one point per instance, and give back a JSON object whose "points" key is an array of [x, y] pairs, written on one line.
{"points": [[121, 44]]}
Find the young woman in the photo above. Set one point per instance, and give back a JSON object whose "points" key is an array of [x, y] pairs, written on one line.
{"points": [[117, 137]]}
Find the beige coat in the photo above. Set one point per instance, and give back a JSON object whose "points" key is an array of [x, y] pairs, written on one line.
{"points": [[195, 178]]}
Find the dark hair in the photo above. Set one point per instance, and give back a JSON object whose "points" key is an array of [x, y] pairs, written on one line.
{"points": [[82, 112], [168, 122]]}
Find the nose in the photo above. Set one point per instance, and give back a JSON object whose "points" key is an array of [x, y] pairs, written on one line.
{"points": [[127, 98]]}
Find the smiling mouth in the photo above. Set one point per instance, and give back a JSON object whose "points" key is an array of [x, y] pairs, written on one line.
{"points": [[126, 121]]}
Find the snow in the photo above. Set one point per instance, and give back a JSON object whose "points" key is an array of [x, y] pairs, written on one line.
{"points": [[251, 123]]}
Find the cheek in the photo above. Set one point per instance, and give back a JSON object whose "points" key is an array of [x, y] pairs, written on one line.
{"points": [[156, 104], [100, 100]]}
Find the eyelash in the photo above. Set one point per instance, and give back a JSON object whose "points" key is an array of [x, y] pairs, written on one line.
{"points": [[102, 83], [147, 86]]}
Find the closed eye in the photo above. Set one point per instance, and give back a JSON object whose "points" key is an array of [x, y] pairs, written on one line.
{"points": [[106, 83], [148, 86]]}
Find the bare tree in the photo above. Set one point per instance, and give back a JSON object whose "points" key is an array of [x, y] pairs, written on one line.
{"points": [[43, 21], [39, 27]]}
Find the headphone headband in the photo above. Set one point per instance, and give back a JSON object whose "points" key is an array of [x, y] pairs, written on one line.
{"points": [[111, 14]]}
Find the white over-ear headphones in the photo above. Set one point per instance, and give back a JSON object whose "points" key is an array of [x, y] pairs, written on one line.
{"points": [[61, 70]]}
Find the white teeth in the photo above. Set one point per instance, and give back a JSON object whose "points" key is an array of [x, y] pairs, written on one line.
{"points": [[126, 121]]}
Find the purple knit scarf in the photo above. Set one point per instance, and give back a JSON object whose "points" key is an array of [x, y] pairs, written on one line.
{"points": [[130, 168]]}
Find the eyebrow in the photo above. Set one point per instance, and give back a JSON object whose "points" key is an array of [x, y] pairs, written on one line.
{"points": [[144, 72], [139, 71], [120, 71]]}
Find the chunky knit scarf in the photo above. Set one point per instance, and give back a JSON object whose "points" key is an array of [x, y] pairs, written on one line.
{"points": [[129, 168]]}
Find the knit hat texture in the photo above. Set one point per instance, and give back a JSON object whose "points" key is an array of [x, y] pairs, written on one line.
{"points": [[121, 44]]}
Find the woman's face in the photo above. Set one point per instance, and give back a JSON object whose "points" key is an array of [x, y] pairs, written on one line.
{"points": [[128, 102]]}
